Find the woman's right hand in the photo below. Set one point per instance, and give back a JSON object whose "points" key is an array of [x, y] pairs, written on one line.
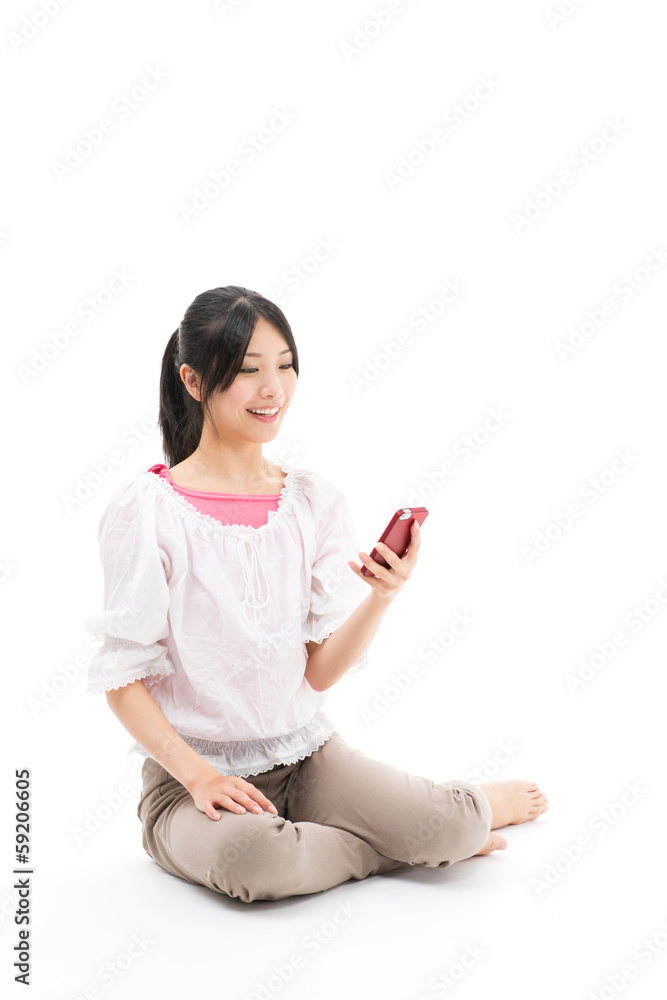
{"points": [[235, 794]]}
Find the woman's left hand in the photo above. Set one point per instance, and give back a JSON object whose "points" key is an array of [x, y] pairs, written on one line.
{"points": [[389, 580]]}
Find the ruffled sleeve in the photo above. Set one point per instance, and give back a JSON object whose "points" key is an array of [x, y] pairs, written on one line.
{"points": [[335, 591], [133, 622]]}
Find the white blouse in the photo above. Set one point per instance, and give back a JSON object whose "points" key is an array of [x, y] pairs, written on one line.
{"points": [[215, 616]]}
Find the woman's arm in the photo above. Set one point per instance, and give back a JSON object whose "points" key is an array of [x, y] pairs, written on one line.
{"points": [[330, 659], [144, 720]]}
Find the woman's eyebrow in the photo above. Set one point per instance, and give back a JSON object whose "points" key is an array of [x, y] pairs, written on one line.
{"points": [[253, 354]]}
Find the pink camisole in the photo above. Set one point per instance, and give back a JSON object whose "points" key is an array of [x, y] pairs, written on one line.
{"points": [[228, 508]]}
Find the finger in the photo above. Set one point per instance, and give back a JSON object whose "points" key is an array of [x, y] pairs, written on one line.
{"points": [[255, 795], [379, 570], [415, 542], [399, 565], [392, 557], [252, 803], [372, 581], [263, 801], [356, 569], [235, 806], [227, 802], [249, 803], [212, 805]]}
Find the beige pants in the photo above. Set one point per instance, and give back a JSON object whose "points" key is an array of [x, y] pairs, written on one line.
{"points": [[341, 815]]}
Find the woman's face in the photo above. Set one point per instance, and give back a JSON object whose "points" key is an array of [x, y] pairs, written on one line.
{"points": [[267, 380]]}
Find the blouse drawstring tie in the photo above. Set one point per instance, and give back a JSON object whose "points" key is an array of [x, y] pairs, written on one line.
{"points": [[255, 583]]}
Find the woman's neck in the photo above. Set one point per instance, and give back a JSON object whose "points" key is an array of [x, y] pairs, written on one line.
{"points": [[200, 472]]}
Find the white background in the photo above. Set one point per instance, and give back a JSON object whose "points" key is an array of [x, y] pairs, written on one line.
{"points": [[381, 406]]}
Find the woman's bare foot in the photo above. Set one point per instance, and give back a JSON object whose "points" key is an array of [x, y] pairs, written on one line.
{"points": [[494, 843], [513, 801]]}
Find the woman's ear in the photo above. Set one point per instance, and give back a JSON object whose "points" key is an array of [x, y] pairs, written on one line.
{"points": [[191, 381]]}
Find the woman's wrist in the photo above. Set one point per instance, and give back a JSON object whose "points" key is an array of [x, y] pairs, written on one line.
{"points": [[185, 764], [197, 772], [381, 599]]}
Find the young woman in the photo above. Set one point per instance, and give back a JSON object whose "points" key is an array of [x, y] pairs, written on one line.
{"points": [[231, 606]]}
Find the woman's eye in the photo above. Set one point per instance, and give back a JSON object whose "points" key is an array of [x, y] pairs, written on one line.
{"points": [[248, 370]]}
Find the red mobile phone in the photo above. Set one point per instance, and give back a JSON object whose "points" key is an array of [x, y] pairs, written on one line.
{"points": [[397, 534]]}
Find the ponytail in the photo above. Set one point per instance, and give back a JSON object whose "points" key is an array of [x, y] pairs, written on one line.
{"points": [[180, 419]]}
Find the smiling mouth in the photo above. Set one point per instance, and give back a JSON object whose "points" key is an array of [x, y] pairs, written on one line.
{"points": [[266, 418]]}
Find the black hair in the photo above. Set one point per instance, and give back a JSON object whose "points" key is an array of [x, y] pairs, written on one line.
{"points": [[212, 339]]}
